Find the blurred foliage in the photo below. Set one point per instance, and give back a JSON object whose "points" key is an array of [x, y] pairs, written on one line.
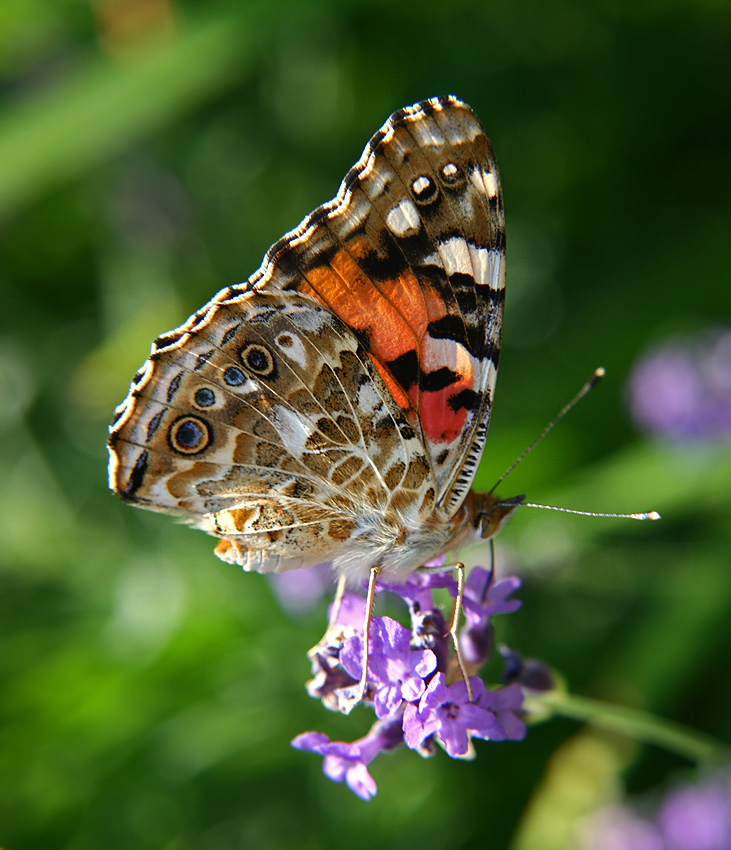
{"points": [[150, 152]]}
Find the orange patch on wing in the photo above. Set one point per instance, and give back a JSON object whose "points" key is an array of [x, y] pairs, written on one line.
{"points": [[394, 313]]}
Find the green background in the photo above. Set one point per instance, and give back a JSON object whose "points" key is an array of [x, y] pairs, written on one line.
{"points": [[149, 154]]}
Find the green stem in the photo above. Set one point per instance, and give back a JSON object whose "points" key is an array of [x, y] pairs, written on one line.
{"points": [[630, 722]]}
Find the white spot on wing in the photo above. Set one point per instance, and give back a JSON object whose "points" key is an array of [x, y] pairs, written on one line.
{"points": [[249, 386], [421, 184], [293, 349], [375, 180], [455, 256], [403, 218], [484, 182], [458, 256], [292, 428], [438, 353], [368, 399]]}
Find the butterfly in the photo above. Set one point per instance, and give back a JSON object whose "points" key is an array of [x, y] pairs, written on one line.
{"points": [[334, 407]]}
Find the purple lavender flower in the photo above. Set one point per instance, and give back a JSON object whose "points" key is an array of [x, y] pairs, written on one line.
{"points": [[397, 670], [428, 627], [351, 611], [417, 589], [504, 704], [530, 673], [407, 677], [350, 762], [683, 388], [482, 599], [329, 680], [446, 712]]}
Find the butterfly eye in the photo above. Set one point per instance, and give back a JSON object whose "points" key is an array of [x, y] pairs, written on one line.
{"points": [[189, 435], [204, 397], [452, 174], [424, 189], [258, 359]]}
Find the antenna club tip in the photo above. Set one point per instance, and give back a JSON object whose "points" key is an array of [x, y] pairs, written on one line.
{"points": [[653, 515], [599, 373]]}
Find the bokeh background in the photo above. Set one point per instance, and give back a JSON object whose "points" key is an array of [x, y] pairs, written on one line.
{"points": [[150, 152]]}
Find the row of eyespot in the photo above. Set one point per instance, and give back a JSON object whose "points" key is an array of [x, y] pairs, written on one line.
{"points": [[191, 434]]}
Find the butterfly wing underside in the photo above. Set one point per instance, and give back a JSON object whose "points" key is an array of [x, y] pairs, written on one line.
{"points": [[353, 372]]}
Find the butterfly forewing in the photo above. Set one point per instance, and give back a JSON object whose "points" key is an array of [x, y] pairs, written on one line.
{"points": [[410, 254]]}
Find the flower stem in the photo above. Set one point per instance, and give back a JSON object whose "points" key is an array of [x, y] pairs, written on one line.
{"points": [[631, 722]]}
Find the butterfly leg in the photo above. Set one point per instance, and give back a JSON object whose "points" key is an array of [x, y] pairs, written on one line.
{"points": [[337, 602], [456, 614], [370, 597], [349, 697]]}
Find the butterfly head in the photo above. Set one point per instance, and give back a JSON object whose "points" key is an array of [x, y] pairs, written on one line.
{"points": [[490, 514]]}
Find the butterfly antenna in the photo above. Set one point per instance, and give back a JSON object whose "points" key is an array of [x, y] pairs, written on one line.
{"points": [[645, 515], [589, 385]]}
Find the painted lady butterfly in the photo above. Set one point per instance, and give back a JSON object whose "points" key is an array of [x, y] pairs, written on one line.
{"points": [[335, 406]]}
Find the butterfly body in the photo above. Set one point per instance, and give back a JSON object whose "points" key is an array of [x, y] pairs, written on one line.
{"points": [[334, 407]]}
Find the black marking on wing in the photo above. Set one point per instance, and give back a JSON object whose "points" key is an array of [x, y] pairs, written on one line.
{"points": [[134, 482], [451, 327], [154, 424], [173, 386], [405, 369], [437, 380], [407, 432], [203, 358], [467, 399], [229, 335], [384, 264]]}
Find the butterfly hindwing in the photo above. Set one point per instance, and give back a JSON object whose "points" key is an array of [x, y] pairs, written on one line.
{"points": [[263, 424]]}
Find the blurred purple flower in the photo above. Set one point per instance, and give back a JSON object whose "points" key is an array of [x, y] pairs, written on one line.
{"points": [[300, 590], [530, 673], [351, 611], [618, 828], [698, 818], [691, 817], [682, 389]]}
